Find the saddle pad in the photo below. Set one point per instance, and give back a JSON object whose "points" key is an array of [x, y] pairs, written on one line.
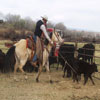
{"points": [[29, 43]]}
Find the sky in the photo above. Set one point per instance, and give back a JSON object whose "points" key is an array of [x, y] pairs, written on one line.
{"points": [[75, 14]]}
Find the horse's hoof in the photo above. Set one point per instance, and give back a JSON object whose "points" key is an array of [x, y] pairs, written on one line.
{"points": [[37, 80], [63, 76], [93, 83], [15, 79], [26, 77], [51, 81]]}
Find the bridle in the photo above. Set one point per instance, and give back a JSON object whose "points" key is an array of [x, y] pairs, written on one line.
{"points": [[56, 35]]}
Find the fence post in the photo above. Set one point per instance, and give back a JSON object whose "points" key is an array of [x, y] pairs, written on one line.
{"points": [[94, 41], [76, 52]]}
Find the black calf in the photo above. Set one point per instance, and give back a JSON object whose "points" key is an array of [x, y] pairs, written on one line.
{"points": [[86, 69]]}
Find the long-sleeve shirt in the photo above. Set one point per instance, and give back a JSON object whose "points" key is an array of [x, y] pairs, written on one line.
{"points": [[43, 28]]}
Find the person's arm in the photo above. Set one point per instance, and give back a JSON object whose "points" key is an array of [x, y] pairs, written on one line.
{"points": [[45, 32]]}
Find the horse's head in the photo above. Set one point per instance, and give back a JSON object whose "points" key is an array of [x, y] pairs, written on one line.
{"points": [[56, 38]]}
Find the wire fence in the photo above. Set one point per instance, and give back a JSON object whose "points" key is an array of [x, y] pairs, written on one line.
{"points": [[96, 55]]}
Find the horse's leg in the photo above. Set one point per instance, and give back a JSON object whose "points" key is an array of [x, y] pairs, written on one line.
{"points": [[22, 63], [48, 71], [15, 69], [34, 64], [39, 72], [21, 69]]}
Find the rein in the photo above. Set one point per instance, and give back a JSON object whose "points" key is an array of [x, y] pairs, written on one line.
{"points": [[67, 62]]}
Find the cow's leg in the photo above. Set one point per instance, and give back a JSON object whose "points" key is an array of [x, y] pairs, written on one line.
{"points": [[57, 63], [68, 72], [79, 77], [91, 80], [65, 68], [85, 79], [74, 77]]}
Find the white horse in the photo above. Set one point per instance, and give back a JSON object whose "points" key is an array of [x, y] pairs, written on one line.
{"points": [[23, 54], [56, 38]]}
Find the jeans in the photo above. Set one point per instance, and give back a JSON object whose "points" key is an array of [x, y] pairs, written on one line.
{"points": [[35, 56]]}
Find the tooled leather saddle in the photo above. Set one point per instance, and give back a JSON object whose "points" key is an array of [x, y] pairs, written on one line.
{"points": [[31, 45]]}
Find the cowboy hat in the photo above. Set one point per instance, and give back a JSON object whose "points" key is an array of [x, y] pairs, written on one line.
{"points": [[45, 17]]}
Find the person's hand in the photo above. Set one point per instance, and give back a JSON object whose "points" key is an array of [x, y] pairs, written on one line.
{"points": [[51, 42]]}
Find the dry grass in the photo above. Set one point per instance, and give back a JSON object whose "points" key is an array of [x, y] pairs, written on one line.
{"points": [[61, 89], [2, 45]]}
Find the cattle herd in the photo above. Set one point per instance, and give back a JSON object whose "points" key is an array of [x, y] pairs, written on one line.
{"points": [[72, 66]]}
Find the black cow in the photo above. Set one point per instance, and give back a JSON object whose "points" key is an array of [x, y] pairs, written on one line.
{"points": [[82, 67], [66, 53], [2, 58], [86, 52]]}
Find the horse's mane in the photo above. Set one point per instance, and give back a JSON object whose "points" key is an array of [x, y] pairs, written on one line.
{"points": [[46, 42]]}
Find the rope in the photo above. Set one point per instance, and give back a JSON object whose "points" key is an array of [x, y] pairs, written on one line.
{"points": [[67, 63]]}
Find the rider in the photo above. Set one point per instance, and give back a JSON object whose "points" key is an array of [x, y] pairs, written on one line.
{"points": [[41, 31], [41, 28]]}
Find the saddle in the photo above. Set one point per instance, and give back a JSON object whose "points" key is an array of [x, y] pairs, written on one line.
{"points": [[31, 45], [36, 45]]}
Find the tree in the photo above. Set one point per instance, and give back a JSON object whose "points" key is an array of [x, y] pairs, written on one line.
{"points": [[50, 25], [62, 27], [12, 19], [29, 24]]}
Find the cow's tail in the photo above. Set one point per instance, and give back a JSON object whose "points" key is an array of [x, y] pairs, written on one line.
{"points": [[10, 60]]}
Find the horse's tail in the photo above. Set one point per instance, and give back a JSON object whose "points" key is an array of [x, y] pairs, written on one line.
{"points": [[10, 60]]}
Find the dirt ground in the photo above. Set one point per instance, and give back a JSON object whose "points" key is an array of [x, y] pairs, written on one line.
{"points": [[61, 89]]}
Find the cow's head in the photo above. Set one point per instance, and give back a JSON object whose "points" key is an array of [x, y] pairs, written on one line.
{"points": [[95, 67]]}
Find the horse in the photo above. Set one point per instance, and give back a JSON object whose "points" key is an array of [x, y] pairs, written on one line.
{"points": [[23, 54]]}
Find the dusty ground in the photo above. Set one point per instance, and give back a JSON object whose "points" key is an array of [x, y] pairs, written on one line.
{"points": [[61, 89]]}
